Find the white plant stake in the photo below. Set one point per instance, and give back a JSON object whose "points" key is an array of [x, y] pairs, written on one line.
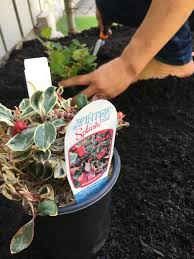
{"points": [[37, 73], [89, 144]]}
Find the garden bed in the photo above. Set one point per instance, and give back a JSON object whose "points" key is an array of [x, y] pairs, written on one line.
{"points": [[153, 201]]}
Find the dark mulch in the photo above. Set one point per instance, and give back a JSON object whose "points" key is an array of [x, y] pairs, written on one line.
{"points": [[153, 201]]}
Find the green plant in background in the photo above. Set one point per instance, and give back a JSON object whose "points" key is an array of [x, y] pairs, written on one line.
{"points": [[32, 165], [66, 62]]}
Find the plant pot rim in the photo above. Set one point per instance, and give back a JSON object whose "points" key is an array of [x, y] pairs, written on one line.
{"points": [[111, 182]]}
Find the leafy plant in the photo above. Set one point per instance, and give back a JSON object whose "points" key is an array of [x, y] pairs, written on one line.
{"points": [[32, 166], [66, 62]]}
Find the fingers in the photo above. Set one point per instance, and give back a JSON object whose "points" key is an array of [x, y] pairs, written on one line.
{"points": [[78, 80]]}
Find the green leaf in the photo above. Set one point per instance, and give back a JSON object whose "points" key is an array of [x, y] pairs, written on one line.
{"points": [[23, 238], [59, 123], [57, 58], [74, 71], [57, 62], [22, 141], [50, 99], [6, 115], [37, 101], [21, 156], [90, 59], [81, 101], [25, 103], [76, 42], [42, 156], [47, 208], [79, 54], [46, 33], [45, 135], [67, 54]]}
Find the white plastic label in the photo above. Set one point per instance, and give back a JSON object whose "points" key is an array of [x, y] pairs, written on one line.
{"points": [[89, 144], [37, 73]]}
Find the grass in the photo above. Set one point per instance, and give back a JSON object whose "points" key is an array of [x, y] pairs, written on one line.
{"points": [[85, 22], [82, 23]]}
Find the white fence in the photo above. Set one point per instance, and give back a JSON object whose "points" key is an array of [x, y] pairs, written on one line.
{"points": [[18, 17]]}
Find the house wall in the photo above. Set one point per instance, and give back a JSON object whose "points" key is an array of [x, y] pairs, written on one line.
{"points": [[18, 17]]}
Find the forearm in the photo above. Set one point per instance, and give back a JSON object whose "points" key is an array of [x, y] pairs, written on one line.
{"points": [[162, 21]]}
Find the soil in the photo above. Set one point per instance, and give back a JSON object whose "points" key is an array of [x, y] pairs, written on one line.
{"points": [[153, 200]]}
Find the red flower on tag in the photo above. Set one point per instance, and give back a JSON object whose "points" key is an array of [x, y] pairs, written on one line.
{"points": [[99, 139], [83, 178], [101, 154], [81, 151]]}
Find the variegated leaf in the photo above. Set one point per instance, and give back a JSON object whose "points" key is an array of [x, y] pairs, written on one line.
{"points": [[40, 171], [58, 145], [9, 177], [25, 103], [21, 156], [7, 194], [42, 156], [44, 136], [6, 115], [50, 99], [60, 170], [23, 238], [22, 141], [29, 111], [46, 192], [37, 101], [59, 123]]}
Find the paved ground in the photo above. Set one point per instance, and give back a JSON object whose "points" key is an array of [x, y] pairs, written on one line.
{"points": [[85, 7]]}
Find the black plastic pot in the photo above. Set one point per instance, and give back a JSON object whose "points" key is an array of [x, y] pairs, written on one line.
{"points": [[80, 230]]}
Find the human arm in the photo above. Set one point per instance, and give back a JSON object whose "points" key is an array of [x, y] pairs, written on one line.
{"points": [[162, 21]]}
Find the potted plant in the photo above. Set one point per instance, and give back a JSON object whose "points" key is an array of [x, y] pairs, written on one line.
{"points": [[32, 173]]}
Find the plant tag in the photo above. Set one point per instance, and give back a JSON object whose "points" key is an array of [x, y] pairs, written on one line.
{"points": [[89, 144], [37, 73]]}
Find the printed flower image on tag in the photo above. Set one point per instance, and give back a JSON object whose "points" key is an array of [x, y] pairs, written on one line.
{"points": [[89, 144], [90, 157]]}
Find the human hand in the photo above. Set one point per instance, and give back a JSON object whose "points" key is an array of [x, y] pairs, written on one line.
{"points": [[110, 80]]}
